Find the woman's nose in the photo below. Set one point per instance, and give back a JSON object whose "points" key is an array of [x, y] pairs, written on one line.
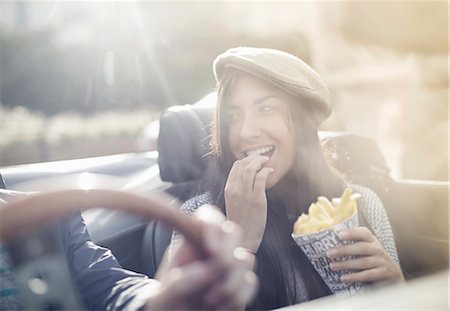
{"points": [[250, 128]]}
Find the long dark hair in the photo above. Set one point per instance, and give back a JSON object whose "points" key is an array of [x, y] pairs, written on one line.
{"points": [[279, 259]]}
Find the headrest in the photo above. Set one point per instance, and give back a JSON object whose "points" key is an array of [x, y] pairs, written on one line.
{"points": [[359, 158], [355, 155], [183, 142]]}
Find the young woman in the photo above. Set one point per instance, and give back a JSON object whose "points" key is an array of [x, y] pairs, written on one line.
{"points": [[268, 167]]}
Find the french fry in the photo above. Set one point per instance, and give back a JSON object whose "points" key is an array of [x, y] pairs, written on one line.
{"points": [[314, 210], [323, 214], [327, 205]]}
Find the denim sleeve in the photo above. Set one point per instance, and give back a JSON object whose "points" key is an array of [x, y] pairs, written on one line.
{"points": [[103, 284]]}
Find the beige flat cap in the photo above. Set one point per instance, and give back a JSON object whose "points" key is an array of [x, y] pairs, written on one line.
{"points": [[282, 69]]}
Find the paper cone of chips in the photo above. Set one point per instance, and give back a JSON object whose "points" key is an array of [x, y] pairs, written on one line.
{"points": [[317, 232]]}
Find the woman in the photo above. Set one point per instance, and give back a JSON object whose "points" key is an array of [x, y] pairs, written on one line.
{"points": [[268, 167]]}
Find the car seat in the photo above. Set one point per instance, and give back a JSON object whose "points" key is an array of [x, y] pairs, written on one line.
{"points": [[183, 145]]}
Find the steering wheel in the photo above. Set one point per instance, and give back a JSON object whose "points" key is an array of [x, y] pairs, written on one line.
{"points": [[31, 212]]}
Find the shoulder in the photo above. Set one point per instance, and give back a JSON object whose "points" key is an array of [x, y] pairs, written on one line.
{"points": [[370, 207], [191, 205], [368, 197], [376, 218]]}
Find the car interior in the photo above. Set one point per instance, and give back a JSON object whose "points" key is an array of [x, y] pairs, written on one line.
{"points": [[182, 147], [416, 209]]}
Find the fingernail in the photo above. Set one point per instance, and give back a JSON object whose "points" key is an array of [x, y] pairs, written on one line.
{"points": [[228, 226], [332, 266], [344, 278], [331, 253], [343, 235]]}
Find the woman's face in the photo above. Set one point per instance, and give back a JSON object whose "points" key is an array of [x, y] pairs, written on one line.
{"points": [[258, 123]]}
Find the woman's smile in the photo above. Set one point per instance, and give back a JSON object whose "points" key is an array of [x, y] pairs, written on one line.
{"points": [[266, 151]]}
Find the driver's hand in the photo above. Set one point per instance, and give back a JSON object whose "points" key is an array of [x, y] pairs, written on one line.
{"points": [[224, 280]]}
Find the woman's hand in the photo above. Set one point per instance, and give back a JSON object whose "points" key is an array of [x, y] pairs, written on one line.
{"points": [[223, 280], [372, 262], [245, 198]]}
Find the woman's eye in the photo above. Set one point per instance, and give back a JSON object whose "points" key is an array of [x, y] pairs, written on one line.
{"points": [[267, 109], [233, 116]]}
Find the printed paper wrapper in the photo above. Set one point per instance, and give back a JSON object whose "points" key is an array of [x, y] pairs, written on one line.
{"points": [[315, 247]]}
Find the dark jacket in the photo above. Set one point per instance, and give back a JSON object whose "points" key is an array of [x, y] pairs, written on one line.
{"points": [[102, 282]]}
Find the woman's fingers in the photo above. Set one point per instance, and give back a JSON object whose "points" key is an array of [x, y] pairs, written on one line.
{"points": [[365, 244], [360, 263], [354, 249], [245, 206], [251, 166], [366, 256], [233, 177], [357, 234], [369, 275], [242, 176], [383, 270], [259, 187]]}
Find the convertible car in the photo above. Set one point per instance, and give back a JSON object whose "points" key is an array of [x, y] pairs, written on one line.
{"points": [[418, 210]]}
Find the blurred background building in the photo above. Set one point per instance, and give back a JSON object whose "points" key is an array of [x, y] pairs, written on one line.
{"points": [[76, 73]]}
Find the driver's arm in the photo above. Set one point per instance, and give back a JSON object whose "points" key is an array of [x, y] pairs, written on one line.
{"points": [[102, 282]]}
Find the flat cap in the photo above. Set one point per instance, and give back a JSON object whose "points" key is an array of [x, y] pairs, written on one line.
{"points": [[284, 70]]}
